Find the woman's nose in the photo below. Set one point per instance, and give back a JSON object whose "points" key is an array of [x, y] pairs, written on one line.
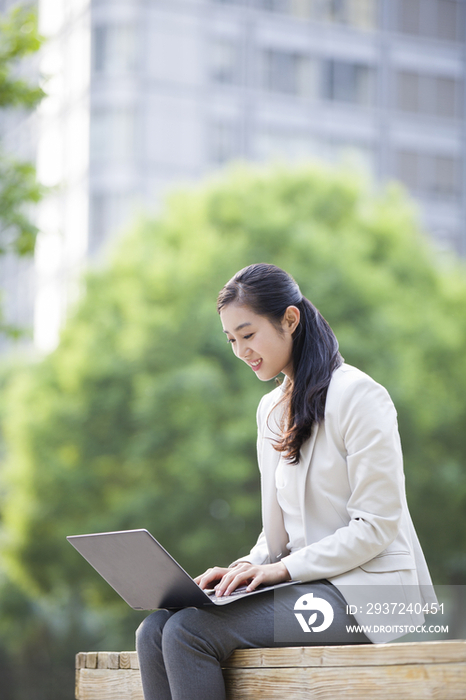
{"points": [[243, 350]]}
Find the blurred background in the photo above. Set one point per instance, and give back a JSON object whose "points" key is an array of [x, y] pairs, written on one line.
{"points": [[141, 96], [147, 152]]}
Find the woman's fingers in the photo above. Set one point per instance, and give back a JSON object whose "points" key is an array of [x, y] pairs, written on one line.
{"points": [[248, 574], [253, 576], [228, 580], [216, 573]]}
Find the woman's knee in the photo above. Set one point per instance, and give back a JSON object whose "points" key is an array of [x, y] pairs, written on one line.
{"points": [[187, 628], [149, 631]]}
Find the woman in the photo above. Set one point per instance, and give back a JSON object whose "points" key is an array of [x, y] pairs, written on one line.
{"points": [[334, 509]]}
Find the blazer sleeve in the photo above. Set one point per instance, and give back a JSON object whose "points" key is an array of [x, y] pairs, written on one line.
{"points": [[364, 423]]}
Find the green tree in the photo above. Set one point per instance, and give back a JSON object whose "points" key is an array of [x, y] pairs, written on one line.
{"points": [[142, 417], [19, 189]]}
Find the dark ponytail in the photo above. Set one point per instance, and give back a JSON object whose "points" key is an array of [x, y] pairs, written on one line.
{"points": [[268, 291]]}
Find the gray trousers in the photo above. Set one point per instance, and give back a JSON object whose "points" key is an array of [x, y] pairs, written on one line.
{"points": [[181, 651]]}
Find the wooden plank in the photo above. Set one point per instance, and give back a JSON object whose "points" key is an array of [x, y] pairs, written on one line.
{"points": [[109, 684], [91, 659], [447, 651], [125, 659], [76, 683], [102, 659], [81, 660], [113, 660], [411, 671], [409, 682], [129, 659]]}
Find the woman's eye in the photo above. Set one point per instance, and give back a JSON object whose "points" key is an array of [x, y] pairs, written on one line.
{"points": [[230, 340], [246, 337]]}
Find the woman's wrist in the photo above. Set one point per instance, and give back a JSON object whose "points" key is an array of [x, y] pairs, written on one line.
{"points": [[282, 568], [237, 563]]}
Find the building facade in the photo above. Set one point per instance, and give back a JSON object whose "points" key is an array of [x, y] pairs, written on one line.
{"points": [[146, 95]]}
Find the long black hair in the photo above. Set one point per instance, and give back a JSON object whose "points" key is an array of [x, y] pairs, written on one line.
{"points": [[268, 291]]}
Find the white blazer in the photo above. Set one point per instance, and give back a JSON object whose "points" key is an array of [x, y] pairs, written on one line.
{"points": [[357, 527]]}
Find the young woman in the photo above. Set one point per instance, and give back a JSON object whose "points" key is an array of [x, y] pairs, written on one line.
{"points": [[334, 509]]}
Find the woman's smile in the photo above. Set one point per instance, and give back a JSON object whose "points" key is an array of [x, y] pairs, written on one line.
{"points": [[255, 365]]}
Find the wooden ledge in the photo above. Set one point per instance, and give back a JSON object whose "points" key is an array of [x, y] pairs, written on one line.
{"points": [[107, 659], [447, 651], [351, 655], [411, 671]]}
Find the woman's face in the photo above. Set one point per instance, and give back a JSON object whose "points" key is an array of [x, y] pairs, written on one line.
{"points": [[256, 341]]}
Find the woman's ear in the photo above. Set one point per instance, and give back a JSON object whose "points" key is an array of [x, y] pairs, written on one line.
{"points": [[291, 318]]}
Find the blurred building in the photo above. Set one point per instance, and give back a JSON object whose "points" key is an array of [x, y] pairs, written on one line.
{"points": [[145, 95]]}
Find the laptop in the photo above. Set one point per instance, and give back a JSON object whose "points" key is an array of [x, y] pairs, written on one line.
{"points": [[145, 575]]}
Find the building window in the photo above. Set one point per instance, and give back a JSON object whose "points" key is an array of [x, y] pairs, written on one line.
{"points": [[439, 19], [358, 13], [302, 8], [354, 12], [347, 82], [363, 13], [449, 20], [409, 16], [447, 102], [433, 95], [408, 91], [407, 169], [112, 135], [224, 62], [224, 142], [274, 5], [434, 175], [445, 179], [114, 48], [288, 72]]}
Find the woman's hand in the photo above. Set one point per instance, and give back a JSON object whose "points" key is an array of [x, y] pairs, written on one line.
{"points": [[243, 573], [211, 576]]}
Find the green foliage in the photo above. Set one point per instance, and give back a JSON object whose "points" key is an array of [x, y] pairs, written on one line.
{"points": [[144, 418], [19, 189], [18, 39]]}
